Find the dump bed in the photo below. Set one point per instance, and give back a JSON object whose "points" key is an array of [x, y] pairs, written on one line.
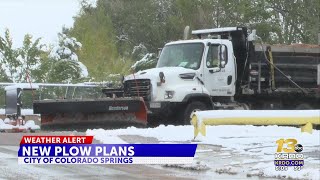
{"points": [[294, 65]]}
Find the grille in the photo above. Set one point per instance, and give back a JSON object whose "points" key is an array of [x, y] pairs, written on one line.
{"points": [[131, 88]]}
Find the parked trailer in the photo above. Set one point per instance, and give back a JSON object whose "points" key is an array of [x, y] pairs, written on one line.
{"points": [[14, 120]]}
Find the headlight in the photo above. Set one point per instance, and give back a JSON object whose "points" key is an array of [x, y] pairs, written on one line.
{"points": [[168, 94]]}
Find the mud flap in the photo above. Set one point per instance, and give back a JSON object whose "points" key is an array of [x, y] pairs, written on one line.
{"points": [[84, 114]]}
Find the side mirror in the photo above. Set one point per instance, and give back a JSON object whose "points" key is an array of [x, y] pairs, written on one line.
{"points": [[223, 56], [222, 63], [159, 52]]}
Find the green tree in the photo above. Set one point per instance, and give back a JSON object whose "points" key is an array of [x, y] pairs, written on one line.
{"points": [[30, 59], [63, 64], [112, 29], [146, 62], [18, 64], [7, 54], [94, 29], [298, 20]]}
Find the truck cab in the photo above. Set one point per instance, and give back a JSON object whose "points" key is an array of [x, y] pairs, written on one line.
{"points": [[212, 63]]}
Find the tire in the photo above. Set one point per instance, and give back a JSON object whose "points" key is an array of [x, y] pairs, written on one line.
{"points": [[303, 107], [154, 121], [191, 107]]}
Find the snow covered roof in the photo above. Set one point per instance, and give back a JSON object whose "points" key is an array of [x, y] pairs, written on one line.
{"points": [[215, 30], [186, 41], [198, 41]]}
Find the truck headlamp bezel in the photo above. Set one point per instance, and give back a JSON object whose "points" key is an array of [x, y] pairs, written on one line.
{"points": [[168, 94]]}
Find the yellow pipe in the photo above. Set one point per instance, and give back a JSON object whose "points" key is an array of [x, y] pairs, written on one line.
{"points": [[273, 84], [305, 122]]}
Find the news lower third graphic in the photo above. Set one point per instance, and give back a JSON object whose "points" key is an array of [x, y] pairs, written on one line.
{"points": [[80, 150], [289, 154]]}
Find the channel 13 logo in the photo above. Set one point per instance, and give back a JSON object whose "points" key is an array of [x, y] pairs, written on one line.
{"points": [[291, 146], [288, 154]]}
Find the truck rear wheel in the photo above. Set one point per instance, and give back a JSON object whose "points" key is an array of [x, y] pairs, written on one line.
{"points": [[192, 107]]}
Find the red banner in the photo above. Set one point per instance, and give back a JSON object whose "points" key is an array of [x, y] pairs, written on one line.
{"points": [[56, 140]]}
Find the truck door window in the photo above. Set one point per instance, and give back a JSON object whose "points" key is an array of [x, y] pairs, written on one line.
{"points": [[213, 56], [216, 55]]}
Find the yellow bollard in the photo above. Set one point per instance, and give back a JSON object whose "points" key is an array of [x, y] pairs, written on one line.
{"points": [[194, 122], [198, 126], [305, 119], [307, 128]]}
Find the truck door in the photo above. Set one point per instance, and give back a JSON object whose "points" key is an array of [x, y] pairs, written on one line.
{"points": [[219, 70]]}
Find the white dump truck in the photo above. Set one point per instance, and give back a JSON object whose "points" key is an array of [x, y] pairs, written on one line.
{"points": [[227, 68]]}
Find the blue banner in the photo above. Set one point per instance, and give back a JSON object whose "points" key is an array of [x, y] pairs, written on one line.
{"points": [[107, 150]]}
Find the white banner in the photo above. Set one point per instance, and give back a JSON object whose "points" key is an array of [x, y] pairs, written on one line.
{"points": [[105, 160]]}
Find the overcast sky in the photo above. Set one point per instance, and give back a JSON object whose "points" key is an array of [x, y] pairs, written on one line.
{"points": [[40, 18]]}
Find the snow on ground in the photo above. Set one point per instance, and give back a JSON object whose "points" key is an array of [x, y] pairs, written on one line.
{"points": [[267, 170], [30, 124], [23, 111], [195, 166], [257, 144], [252, 137]]}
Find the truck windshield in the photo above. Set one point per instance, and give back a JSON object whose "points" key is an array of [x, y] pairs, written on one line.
{"points": [[181, 55]]}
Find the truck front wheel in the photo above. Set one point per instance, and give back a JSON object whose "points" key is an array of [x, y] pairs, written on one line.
{"points": [[192, 107]]}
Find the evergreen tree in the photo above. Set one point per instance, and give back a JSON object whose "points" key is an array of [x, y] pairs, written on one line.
{"points": [[99, 53]]}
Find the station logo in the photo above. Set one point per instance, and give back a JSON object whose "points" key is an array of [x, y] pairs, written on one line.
{"points": [[288, 154], [298, 147]]}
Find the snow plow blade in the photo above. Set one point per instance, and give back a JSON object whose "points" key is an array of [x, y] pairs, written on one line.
{"points": [[66, 114]]}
